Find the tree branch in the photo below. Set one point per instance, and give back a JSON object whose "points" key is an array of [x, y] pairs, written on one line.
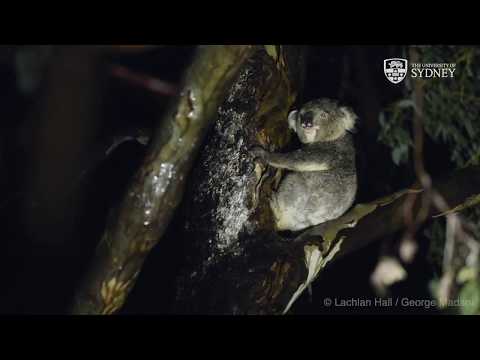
{"points": [[375, 220], [157, 188]]}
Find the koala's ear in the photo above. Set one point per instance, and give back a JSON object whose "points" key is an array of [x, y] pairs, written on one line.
{"points": [[292, 118], [349, 118]]}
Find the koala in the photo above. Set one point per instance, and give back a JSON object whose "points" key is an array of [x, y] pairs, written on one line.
{"points": [[322, 182]]}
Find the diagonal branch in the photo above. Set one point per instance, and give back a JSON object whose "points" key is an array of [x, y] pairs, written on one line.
{"points": [[290, 274], [156, 190]]}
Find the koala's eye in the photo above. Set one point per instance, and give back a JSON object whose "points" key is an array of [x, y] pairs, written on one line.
{"points": [[306, 119]]}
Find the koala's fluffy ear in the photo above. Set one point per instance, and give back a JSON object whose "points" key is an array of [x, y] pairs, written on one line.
{"points": [[292, 118], [349, 118]]}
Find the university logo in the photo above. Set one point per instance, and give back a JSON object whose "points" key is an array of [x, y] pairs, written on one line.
{"points": [[395, 69]]}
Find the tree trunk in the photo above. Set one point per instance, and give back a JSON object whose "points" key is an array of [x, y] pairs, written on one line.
{"points": [[226, 210]]}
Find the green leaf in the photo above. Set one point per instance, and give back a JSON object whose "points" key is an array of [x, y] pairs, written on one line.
{"points": [[272, 51], [469, 298]]}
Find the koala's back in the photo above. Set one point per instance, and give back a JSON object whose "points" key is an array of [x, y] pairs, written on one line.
{"points": [[309, 198]]}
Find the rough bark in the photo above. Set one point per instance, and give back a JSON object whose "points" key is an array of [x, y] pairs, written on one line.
{"points": [[157, 188], [227, 203]]}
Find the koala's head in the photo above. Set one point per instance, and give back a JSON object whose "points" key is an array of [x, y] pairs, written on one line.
{"points": [[321, 120]]}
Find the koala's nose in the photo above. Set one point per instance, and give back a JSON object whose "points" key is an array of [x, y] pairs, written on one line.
{"points": [[307, 120]]}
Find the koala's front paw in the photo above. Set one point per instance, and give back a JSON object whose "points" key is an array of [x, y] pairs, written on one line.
{"points": [[258, 153]]}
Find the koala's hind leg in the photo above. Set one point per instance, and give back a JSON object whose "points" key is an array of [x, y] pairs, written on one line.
{"points": [[280, 213], [287, 203]]}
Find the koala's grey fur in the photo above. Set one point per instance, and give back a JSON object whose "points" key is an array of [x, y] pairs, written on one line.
{"points": [[322, 183]]}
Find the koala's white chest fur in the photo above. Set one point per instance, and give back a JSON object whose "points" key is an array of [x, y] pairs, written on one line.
{"points": [[310, 135]]}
